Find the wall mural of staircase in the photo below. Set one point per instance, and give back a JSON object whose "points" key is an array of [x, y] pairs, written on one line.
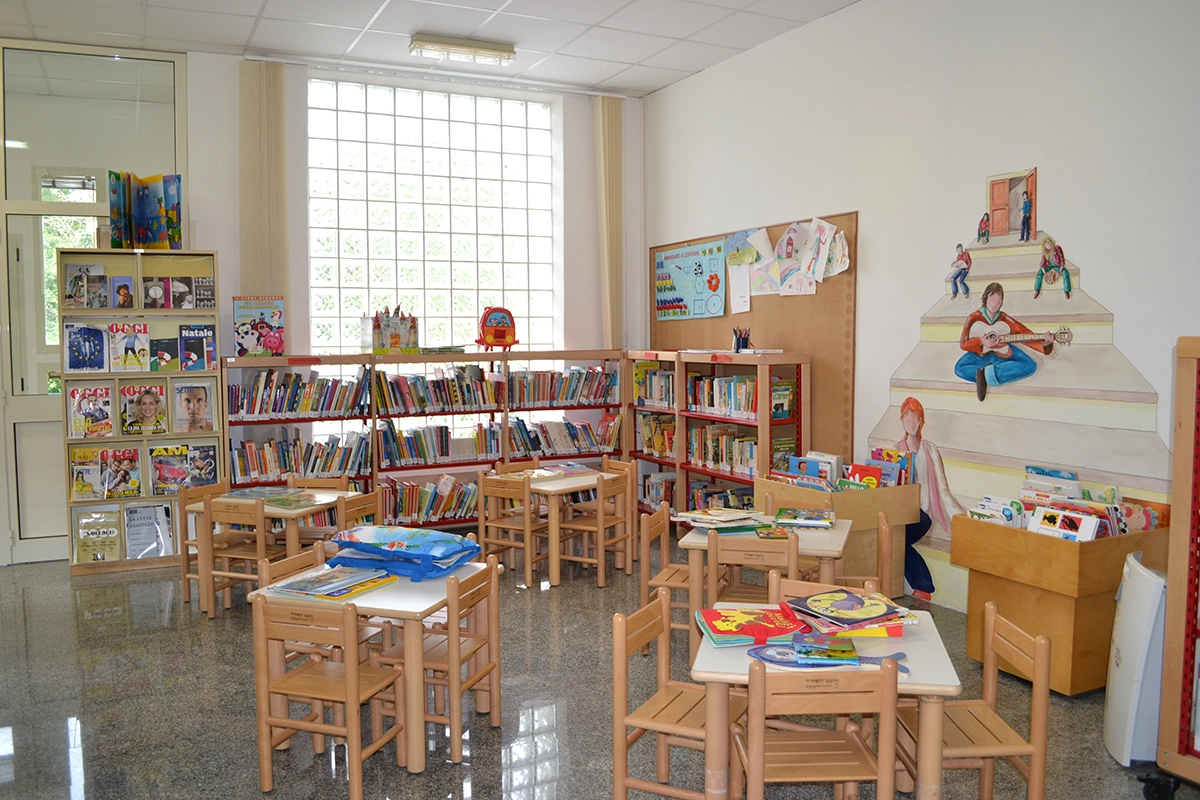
{"points": [[1085, 409]]}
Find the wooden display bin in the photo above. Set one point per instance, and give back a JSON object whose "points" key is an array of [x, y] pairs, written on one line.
{"points": [[1053, 586], [901, 503]]}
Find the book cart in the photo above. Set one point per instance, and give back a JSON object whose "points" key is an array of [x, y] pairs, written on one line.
{"points": [[142, 413], [413, 414], [709, 416], [1179, 728]]}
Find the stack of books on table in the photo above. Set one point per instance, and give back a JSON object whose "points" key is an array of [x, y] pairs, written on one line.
{"points": [[805, 517], [731, 627], [335, 583], [847, 613], [722, 520]]}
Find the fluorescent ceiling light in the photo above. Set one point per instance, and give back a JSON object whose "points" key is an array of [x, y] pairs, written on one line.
{"points": [[13, 143], [461, 50]]}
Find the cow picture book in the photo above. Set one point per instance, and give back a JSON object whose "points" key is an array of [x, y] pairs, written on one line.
{"points": [[258, 328]]}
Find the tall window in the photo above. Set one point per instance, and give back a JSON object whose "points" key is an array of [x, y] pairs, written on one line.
{"points": [[434, 202]]}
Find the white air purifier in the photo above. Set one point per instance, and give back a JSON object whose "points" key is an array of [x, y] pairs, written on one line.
{"points": [[1135, 664]]}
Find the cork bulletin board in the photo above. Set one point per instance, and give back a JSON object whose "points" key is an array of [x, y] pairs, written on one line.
{"points": [[821, 325]]}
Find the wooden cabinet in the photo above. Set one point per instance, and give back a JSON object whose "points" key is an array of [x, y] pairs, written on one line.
{"points": [[1047, 585]]}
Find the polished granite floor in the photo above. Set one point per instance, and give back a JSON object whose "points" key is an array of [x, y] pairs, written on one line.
{"points": [[111, 688]]}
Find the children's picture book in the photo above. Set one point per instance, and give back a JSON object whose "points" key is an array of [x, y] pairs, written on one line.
{"points": [[805, 517], [258, 328], [129, 346], [295, 502], [865, 474], [168, 468], [265, 492], [148, 531], [1144, 515], [144, 212], [120, 473], [143, 408], [120, 292], [729, 627], [202, 464], [1064, 524], [773, 532], [193, 409], [86, 347], [85, 474], [164, 355], [815, 650], [205, 292], [156, 292], [783, 399], [97, 534], [846, 608], [75, 283], [327, 580], [347, 592], [197, 348], [90, 412], [182, 293]]}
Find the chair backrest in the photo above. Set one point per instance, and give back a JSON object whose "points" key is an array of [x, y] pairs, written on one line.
{"points": [[799, 692], [750, 551], [632, 633], [654, 526], [462, 596], [338, 484], [1028, 655], [235, 512], [188, 495], [503, 468], [780, 588], [352, 510], [270, 572], [611, 486], [332, 626]]}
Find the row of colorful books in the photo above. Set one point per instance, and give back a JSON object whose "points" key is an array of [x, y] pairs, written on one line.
{"points": [[727, 396], [653, 387], [113, 473], [658, 487], [330, 457], [656, 434], [127, 347], [435, 444], [463, 390], [576, 386], [704, 494], [273, 394], [724, 447], [412, 503], [826, 472], [142, 408], [563, 437], [97, 532], [88, 287]]}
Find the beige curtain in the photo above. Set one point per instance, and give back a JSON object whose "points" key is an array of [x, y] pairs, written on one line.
{"points": [[264, 251], [610, 186]]}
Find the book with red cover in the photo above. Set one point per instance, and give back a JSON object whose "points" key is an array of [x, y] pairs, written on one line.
{"points": [[864, 473], [729, 627]]}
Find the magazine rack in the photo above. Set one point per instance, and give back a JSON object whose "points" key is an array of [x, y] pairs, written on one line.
{"points": [[129, 321]]}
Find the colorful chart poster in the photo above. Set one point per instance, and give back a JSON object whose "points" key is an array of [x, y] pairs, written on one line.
{"points": [[689, 282]]}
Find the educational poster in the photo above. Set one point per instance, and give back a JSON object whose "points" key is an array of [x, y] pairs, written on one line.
{"points": [[689, 282]]}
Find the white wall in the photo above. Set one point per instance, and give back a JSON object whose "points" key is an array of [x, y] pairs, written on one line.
{"points": [[901, 109]]}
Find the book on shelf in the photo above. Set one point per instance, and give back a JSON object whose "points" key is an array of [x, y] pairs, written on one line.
{"points": [[205, 291], [641, 387], [156, 292], [412, 503], [783, 399], [86, 347], [703, 494], [168, 468], [658, 487], [734, 396], [805, 517], [193, 411], [164, 355], [731, 627], [783, 448], [465, 389], [871, 476], [75, 285], [86, 483], [143, 408], [258, 326], [120, 291], [183, 294], [144, 212], [274, 394], [202, 464], [723, 447], [327, 580], [435, 444], [656, 434], [571, 387], [1073, 526], [148, 531], [197, 347], [324, 457], [97, 534], [120, 472], [89, 410]]}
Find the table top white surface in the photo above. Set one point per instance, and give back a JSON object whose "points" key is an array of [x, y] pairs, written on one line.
{"points": [[401, 599], [818, 542], [930, 669], [564, 485], [324, 498]]}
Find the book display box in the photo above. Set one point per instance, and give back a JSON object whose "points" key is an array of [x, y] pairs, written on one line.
{"points": [[141, 406], [1064, 589]]}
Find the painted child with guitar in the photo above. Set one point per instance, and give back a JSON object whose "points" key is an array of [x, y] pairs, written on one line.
{"points": [[990, 359]]}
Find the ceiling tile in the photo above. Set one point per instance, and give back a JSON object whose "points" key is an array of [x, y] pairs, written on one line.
{"points": [[727, 3], [409, 16], [23, 85], [798, 10], [744, 30], [94, 37], [644, 79], [296, 37], [164, 23], [345, 13], [87, 15], [613, 45], [529, 33], [487, 5], [12, 12], [589, 12], [390, 48], [240, 7], [690, 56], [571, 69], [185, 46], [23, 64], [79, 67], [94, 89], [675, 18]]}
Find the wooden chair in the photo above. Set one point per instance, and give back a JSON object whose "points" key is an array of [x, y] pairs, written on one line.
{"points": [[808, 566], [597, 523], [883, 562], [674, 713], [628, 502], [783, 752], [504, 525], [339, 484], [470, 639], [973, 734], [243, 547], [354, 510], [671, 576], [185, 498], [747, 551], [319, 683], [780, 589]]}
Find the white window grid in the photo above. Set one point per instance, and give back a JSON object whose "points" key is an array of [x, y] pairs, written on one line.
{"points": [[438, 202]]}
